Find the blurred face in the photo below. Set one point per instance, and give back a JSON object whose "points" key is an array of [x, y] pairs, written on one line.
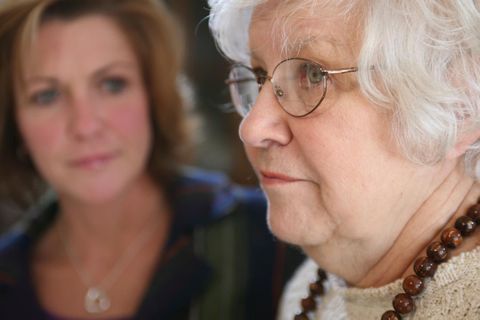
{"points": [[83, 113], [333, 178]]}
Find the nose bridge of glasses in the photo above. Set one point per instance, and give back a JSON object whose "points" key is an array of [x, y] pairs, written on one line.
{"points": [[277, 90]]}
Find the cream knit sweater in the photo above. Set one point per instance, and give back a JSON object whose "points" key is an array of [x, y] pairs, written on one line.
{"points": [[453, 293]]}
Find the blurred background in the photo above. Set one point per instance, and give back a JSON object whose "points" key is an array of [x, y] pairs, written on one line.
{"points": [[219, 147]]}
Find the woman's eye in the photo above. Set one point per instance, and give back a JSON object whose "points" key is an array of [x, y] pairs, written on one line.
{"points": [[45, 97], [114, 85]]}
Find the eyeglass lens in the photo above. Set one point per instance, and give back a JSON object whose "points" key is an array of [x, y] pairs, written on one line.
{"points": [[299, 86]]}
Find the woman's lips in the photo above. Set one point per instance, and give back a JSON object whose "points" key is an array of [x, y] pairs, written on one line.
{"points": [[94, 161], [269, 178]]}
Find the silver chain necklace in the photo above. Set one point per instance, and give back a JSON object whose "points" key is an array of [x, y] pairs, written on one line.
{"points": [[96, 298]]}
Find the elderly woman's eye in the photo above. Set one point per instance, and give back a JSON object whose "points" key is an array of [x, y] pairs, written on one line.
{"points": [[313, 73], [44, 97], [261, 76], [113, 85]]}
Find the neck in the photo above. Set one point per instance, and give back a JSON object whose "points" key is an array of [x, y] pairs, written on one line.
{"points": [[437, 213], [107, 248], [102, 230]]}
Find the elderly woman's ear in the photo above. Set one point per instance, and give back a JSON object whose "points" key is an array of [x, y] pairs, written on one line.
{"points": [[465, 140]]}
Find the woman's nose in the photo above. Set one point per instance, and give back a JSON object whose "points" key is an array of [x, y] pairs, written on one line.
{"points": [[84, 119], [266, 124]]}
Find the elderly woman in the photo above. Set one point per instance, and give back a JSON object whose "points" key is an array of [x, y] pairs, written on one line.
{"points": [[92, 129], [362, 121]]}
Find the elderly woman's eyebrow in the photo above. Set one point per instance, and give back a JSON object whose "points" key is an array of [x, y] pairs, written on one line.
{"points": [[325, 50], [255, 59], [321, 49]]}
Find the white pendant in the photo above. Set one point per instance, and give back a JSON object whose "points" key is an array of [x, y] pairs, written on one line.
{"points": [[96, 301]]}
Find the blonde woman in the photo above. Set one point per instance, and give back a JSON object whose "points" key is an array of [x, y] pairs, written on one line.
{"points": [[92, 130]]}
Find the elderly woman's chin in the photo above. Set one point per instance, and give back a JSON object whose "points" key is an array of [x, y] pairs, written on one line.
{"points": [[298, 221]]}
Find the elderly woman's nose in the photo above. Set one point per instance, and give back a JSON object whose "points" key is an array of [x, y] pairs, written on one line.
{"points": [[266, 122], [84, 118]]}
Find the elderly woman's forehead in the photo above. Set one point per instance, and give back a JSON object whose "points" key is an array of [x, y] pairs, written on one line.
{"points": [[304, 7], [290, 28]]}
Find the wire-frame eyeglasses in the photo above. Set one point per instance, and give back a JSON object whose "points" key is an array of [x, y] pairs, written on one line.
{"points": [[299, 84]]}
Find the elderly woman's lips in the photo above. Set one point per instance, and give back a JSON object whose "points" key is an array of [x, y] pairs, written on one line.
{"points": [[275, 178]]}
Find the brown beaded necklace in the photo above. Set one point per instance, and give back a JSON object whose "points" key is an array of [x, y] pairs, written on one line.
{"points": [[424, 267]]}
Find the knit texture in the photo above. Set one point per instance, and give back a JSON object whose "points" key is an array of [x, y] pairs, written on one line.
{"points": [[453, 293]]}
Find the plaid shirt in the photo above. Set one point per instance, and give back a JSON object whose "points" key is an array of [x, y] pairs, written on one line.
{"points": [[221, 262]]}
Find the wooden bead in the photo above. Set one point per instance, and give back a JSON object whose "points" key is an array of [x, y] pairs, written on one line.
{"points": [[403, 303], [425, 267], [316, 288], [308, 304], [437, 251], [322, 275], [391, 315], [451, 238], [465, 225], [413, 285], [301, 316], [474, 213]]}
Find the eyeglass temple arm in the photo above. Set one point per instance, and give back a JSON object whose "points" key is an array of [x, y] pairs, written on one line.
{"points": [[343, 70]]}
